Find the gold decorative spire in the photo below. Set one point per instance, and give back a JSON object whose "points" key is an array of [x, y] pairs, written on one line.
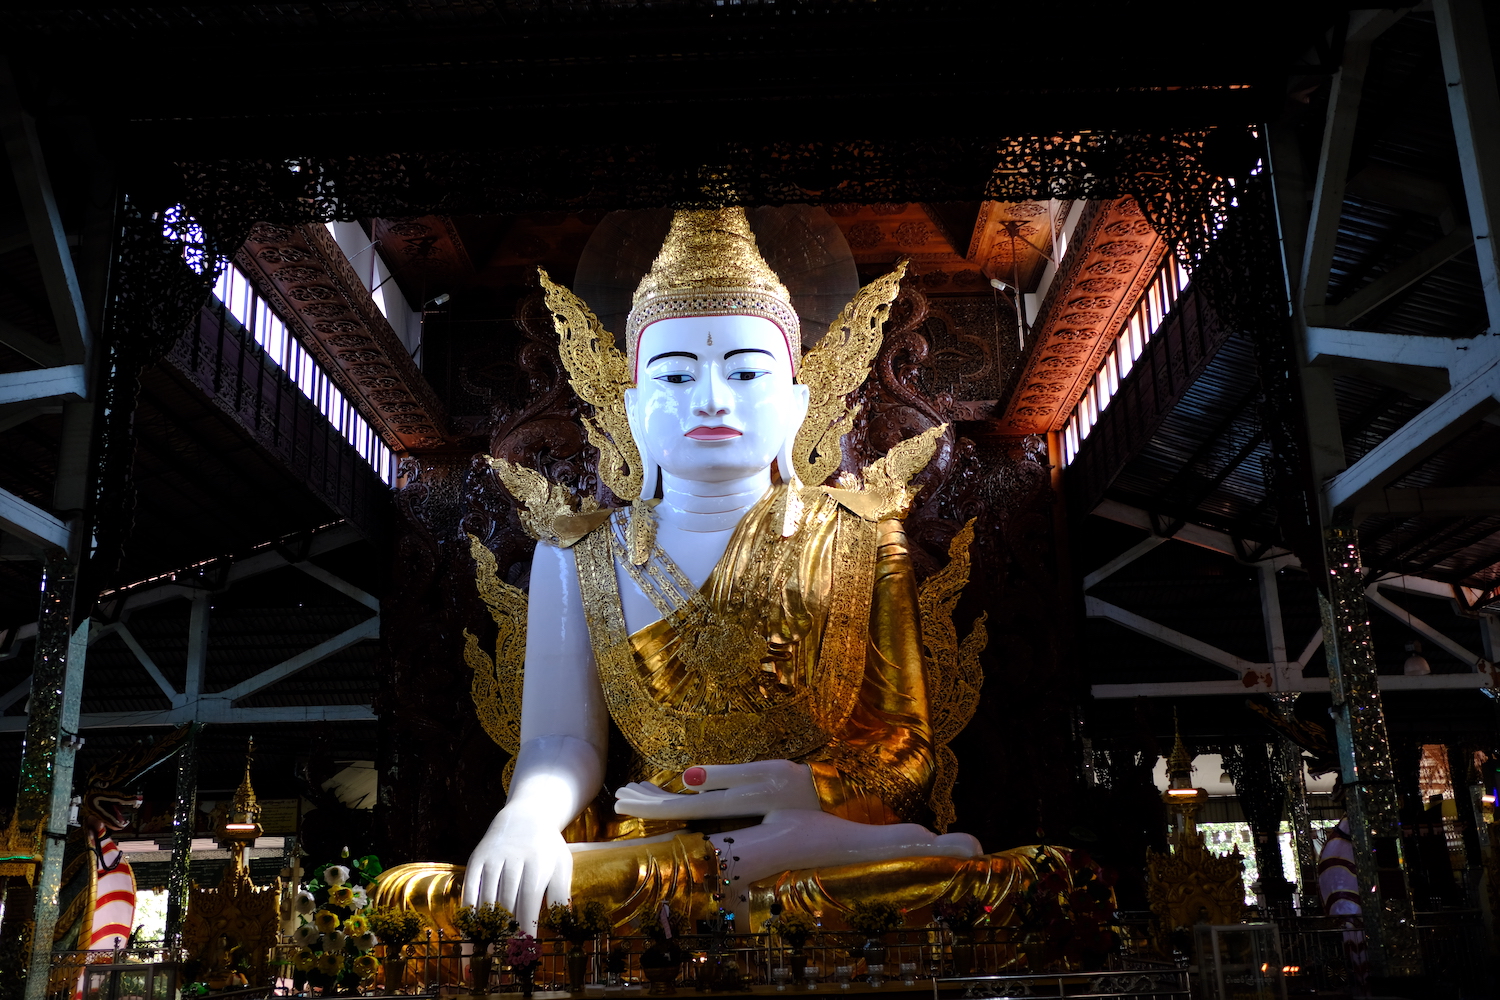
{"points": [[1180, 763], [246, 809], [241, 824], [710, 265]]}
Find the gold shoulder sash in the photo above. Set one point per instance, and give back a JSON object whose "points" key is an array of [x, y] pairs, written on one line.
{"points": [[730, 712]]}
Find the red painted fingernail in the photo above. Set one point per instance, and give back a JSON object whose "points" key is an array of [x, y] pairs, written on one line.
{"points": [[694, 776]]}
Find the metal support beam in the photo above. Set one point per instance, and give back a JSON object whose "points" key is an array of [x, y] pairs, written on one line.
{"points": [[1120, 561], [30, 346], [1308, 258], [1193, 534], [1333, 174], [1462, 597], [1304, 845], [17, 414], [1442, 501], [184, 814], [1474, 102], [342, 586], [1270, 616], [43, 383], [1368, 773], [31, 523], [16, 239], [218, 711], [1426, 631], [144, 659], [1313, 645], [49, 240], [1194, 689], [197, 652], [1399, 278], [242, 569], [15, 694], [74, 468], [368, 629], [1325, 343], [47, 766], [1462, 406], [1096, 608]]}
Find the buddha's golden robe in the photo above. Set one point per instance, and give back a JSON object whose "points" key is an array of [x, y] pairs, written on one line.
{"points": [[806, 647]]}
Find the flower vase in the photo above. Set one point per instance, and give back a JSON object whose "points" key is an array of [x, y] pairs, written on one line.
{"points": [[874, 950], [963, 953], [526, 979], [578, 967], [394, 972], [797, 962], [663, 980], [480, 966], [661, 963]]}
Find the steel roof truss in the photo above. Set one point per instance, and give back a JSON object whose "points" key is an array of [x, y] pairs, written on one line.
{"points": [[1474, 101]]}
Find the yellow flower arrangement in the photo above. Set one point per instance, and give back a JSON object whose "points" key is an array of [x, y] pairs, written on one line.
{"points": [[356, 925], [305, 960], [484, 924], [330, 963], [396, 928], [366, 965], [326, 921], [341, 895]]}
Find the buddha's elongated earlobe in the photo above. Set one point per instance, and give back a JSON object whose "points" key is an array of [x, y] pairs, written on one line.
{"points": [[650, 472], [784, 465], [791, 502], [650, 476]]}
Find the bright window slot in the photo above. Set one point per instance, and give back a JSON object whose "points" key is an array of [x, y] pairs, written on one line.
{"points": [[240, 300], [1143, 323]]}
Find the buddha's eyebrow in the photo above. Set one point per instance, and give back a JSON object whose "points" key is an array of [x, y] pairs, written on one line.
{"points": [[672, 354], [748, 350]]}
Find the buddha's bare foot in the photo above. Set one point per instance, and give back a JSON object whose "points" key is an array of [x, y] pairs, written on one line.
{"points": [[958, 845], [805, 838], [793, 839]]}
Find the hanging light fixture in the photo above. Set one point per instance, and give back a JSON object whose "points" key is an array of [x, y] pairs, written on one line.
{"points": [[1416, 664]]}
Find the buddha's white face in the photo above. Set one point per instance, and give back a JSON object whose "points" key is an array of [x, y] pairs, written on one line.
{"points": [[714, 399]]}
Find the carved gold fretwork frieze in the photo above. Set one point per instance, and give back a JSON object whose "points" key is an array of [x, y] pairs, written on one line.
{"points": [[235, 921], [20, 848], [1112, 258], [1190, 885], [302, 272]]}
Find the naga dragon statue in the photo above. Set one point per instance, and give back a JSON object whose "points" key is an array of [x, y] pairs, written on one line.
{"points": [[96, 902]]}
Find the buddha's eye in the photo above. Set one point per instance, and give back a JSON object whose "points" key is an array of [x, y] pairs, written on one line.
{"points": [[675, 378], [746, 374]]}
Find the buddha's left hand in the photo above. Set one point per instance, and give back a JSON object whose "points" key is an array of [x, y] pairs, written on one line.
{"points": [[754, 789]]}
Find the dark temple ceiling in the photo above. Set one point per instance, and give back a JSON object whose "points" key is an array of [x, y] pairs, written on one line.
{"points": [[208, 80]]}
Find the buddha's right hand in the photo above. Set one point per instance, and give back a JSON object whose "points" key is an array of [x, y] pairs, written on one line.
{"points": [[758, 788], [522, 859]]}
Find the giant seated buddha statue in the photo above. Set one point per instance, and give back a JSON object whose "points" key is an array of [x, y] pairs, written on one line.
{"points": [[734, 665]]}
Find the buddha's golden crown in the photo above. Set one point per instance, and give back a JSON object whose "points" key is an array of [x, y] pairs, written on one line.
{"points": [[710, 265]]}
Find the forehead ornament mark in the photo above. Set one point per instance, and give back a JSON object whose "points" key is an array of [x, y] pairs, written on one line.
{"points": [[710, 340]]}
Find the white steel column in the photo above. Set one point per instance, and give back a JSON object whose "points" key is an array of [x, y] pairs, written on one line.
{"points": [[1469, 70]]}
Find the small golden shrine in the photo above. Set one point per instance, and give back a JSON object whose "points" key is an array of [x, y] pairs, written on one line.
{"points": [[1189, 884], [231, 929], [20, 849]]}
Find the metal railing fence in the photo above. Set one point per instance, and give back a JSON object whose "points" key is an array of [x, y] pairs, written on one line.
{"points": [[436, 963], [142, 972]]}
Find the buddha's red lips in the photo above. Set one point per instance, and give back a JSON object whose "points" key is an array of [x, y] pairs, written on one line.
{"points": [[713, 433]]}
